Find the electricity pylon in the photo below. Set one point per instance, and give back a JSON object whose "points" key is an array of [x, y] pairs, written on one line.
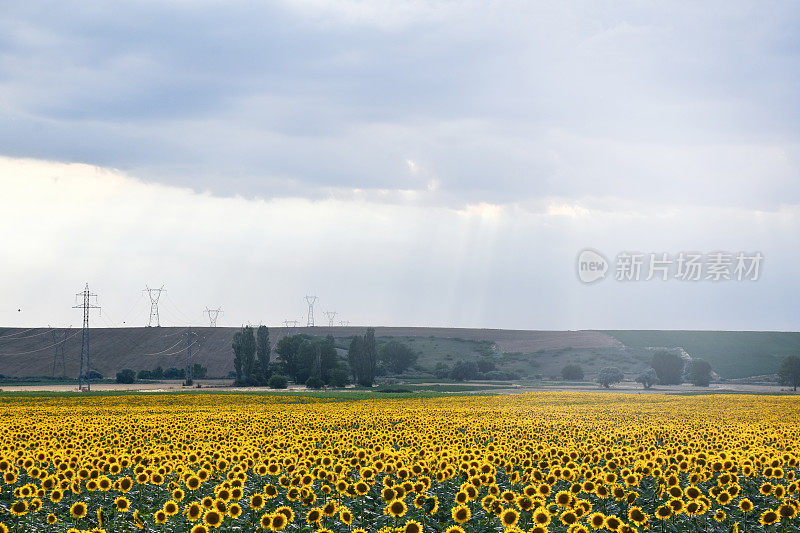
{"points": [[310, 300], [86, 305], [154, 295], [213, 314]]}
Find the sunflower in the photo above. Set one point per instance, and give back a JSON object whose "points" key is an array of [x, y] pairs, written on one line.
{"points": [[613, 523], [454, 529], [396, 508], [279, 521], [171, 508], [664, 512], [314, 516], [56, 495], [78, 510], [212, 518], [266, 521], [193, 511], [787, 511], [160, 517], [509, 517], [541, 517], [768, 517], [199, 528], [193, 483], [20, 507], [461, 513], [563, 498], [720, 515], [412, 526], [122, 504], [234, 510], [597, 520], [568, 518], [52, 519], [345, 516], [745, 505]]}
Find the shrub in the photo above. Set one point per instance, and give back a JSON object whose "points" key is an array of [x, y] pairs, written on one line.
{"points": [[144, 374], [94, 374], [278, 381], [486, 365], [610, 375], [648, 378], [668, 367], [497, 375], [126, 375], [314, 383], [174, 373], [699, 373], [572, 372], [442, 371], [464, 371]]}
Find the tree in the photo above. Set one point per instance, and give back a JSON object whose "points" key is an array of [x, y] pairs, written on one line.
{"points": [[307, 362], [648, 378], [362, 358], [199, 371], [668, 367], [699, 372], [175, 373], [263, 353], [278, 381], [464, 371], [287, 353], [370, 353], [126, 375], [328, 358], [339, 378], [610, 375], [397, 356], [486, 364], [790, 371], [238, 355], [248, 355], [572, 372]]}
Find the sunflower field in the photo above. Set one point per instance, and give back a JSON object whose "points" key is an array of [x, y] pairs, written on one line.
{"points": [[534, 462]]}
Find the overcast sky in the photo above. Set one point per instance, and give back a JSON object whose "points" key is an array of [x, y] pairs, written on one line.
{"points": [[410, 163]]}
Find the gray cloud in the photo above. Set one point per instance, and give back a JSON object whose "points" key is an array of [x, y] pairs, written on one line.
{"points": [[683, 103]]}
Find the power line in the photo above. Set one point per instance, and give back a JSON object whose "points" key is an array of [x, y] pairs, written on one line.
{"points": [[86, 306], [16, 333], [154, 295], [37, 349]]}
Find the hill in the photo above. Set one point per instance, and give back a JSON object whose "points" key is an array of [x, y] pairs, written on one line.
{"points": [[732, 354], [521, 353]]}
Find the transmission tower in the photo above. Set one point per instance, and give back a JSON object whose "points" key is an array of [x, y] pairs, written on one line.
{"points": [[86, 364], [212, 315], [290, 326], [310, 300], [58, 356], [330, 315], [154, 295]]}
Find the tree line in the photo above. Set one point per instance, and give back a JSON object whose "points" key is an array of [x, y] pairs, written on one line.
{"points": [[315, 361]]}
